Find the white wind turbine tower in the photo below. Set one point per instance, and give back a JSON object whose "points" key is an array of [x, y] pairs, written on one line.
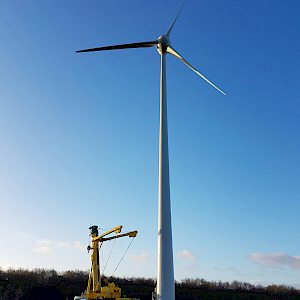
{"points": [[165, 288]]}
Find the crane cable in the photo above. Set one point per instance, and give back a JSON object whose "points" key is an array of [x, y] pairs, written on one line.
{"points": [[109, 255], [102, 256], [122, 257]]}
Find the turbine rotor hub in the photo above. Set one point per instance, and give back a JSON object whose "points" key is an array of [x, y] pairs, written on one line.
{"points": [[163, 43]]}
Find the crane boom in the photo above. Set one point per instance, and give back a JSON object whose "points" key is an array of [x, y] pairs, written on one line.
{"points": [[130, 234], [116, 230]]}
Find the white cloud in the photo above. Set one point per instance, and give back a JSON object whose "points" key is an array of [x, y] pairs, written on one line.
{"points": [[78, 245], [27, 235], [140, 258], [47, 242], [45, 245], [63, 244], [187, 254], [275, 259], [259, 281], [42, 249], [44, 242]]}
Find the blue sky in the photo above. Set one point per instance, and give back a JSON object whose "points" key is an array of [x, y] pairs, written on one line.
{"points": [[79, 136]]}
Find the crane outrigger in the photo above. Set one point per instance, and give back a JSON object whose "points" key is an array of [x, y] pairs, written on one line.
{"points": [[94, 289]]}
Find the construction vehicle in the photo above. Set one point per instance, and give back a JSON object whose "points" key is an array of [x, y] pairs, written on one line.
{"points": [[94, 289]]}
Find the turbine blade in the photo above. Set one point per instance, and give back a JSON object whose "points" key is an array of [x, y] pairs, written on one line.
{"points": [[170, 29], [176, 54], [124, 46]]}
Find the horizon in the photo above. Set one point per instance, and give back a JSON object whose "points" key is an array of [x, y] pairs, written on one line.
{"points": [[61, 273]]}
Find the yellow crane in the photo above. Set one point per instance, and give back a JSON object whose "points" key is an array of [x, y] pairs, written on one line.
{"points": [[94, 289]]}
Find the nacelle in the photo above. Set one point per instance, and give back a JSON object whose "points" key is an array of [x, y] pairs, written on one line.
{"points": [[163, 43]]}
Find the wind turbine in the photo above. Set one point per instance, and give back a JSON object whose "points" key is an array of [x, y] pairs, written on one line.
{"points": [[165, 288]]}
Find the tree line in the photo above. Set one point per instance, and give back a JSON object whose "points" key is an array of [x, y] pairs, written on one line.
{"points": [[21, 284]]}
